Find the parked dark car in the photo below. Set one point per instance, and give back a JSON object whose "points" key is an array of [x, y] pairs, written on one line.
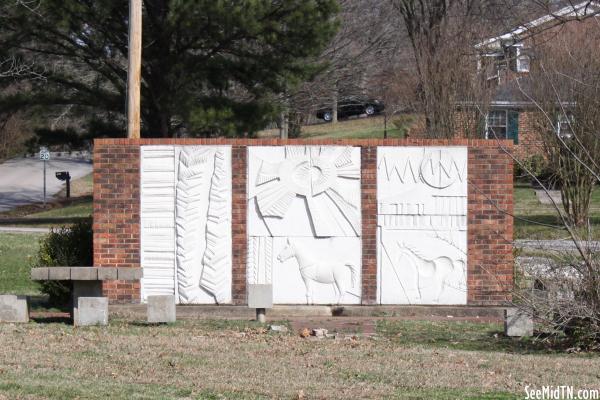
{"points": [[352, 106]]}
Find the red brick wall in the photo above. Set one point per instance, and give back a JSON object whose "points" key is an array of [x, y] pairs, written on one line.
{"points": [[530, 142], [117, 213], [368, 183], [490, 227], [239, 203]]}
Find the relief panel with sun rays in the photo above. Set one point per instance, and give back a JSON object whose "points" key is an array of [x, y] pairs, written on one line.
{"points": [[304, 201]]}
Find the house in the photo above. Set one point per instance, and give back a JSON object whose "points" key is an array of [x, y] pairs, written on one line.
{"points": [[505, 62]]}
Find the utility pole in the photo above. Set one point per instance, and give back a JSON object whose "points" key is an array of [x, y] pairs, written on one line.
{"points": [[134, 69]]}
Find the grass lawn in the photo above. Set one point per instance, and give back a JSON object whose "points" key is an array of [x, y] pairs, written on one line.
{"points": [[358, 128], [240, 360], [17, 250], [530, 214], [80, 204], [81, 207], [353, 128]]}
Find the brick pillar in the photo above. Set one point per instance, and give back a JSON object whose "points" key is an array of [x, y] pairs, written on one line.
{"points": [[368, 160], [490, 226], [238, 223], [117, 214]]}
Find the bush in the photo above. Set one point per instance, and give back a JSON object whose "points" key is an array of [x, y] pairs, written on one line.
{"points": [[296, 120], [66, 246], [539, 167], [403, 123]]}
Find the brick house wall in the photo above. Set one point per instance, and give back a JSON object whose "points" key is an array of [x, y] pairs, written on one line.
{"points": [[490, 205], [530, 142]]}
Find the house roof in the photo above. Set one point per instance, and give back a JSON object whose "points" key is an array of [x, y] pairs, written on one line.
{"points": [[518, 93], [581, 10], [512, 93]]}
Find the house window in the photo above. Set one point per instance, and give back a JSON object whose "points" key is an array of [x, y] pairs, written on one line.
{"points": [[564, 126], [495, 126], [523, 63], [519, 58]]}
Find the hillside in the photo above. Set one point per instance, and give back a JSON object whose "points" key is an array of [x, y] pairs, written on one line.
{"points": [[354, 128]]}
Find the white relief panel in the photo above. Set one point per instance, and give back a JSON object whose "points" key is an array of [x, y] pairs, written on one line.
{"points": [[157, 209], [260, 260], [422, 225], [186, 222], [304, 223]]}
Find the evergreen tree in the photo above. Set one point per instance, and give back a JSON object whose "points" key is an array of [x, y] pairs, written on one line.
{"points": [[208, 66]]}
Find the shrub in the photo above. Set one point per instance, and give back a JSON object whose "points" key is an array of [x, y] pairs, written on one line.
{"points": [[296, 120], [66, 246], [538, 167], [403, 123]]}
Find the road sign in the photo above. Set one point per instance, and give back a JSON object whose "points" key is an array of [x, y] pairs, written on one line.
{"points": [[44, 154]]}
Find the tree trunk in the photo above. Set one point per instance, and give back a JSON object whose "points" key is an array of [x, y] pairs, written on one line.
{"points": [[334, 105], [157, 124], [284, 123]]}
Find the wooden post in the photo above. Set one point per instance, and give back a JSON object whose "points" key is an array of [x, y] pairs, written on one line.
{"points": [[134, 69]]}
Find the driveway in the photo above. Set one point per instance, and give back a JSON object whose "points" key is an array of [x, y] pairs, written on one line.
{"points": [[21, 179]]}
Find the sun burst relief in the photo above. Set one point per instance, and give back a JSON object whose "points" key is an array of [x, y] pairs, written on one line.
{"points": [[316, 175]]}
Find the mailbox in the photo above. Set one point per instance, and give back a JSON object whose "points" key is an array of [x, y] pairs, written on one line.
{"points": [[65, 176]]}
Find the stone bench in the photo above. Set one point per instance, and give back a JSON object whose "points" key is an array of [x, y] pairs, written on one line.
{"points": [[89, 306]]}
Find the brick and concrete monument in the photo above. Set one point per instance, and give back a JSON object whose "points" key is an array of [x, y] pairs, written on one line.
{"points": [[316, 222]]}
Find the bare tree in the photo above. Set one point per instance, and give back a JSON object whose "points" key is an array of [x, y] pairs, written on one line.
{"points": [[14, 69], [362, 45], [564, 86], [442, 34]]}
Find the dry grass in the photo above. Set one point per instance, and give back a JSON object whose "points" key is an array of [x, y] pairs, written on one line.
{"points": [[352, 128], [203, 359]]}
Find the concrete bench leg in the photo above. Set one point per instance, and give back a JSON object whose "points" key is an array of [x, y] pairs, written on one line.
{"points": [[14, 308], [161, 309], [89, 289], [91, 311], [517, 323]]}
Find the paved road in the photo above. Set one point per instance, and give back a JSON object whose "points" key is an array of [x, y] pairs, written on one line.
{"points": [[21, 179]]}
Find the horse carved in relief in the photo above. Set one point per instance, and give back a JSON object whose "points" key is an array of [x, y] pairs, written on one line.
{"points": [[312, 270], [431, 271]]}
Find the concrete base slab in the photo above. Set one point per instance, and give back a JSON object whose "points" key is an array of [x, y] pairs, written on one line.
{"points": [[549, 198], [91, 311], [161, 309], [138, 311], [13, 308], [517, 323], [420, 311]]}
